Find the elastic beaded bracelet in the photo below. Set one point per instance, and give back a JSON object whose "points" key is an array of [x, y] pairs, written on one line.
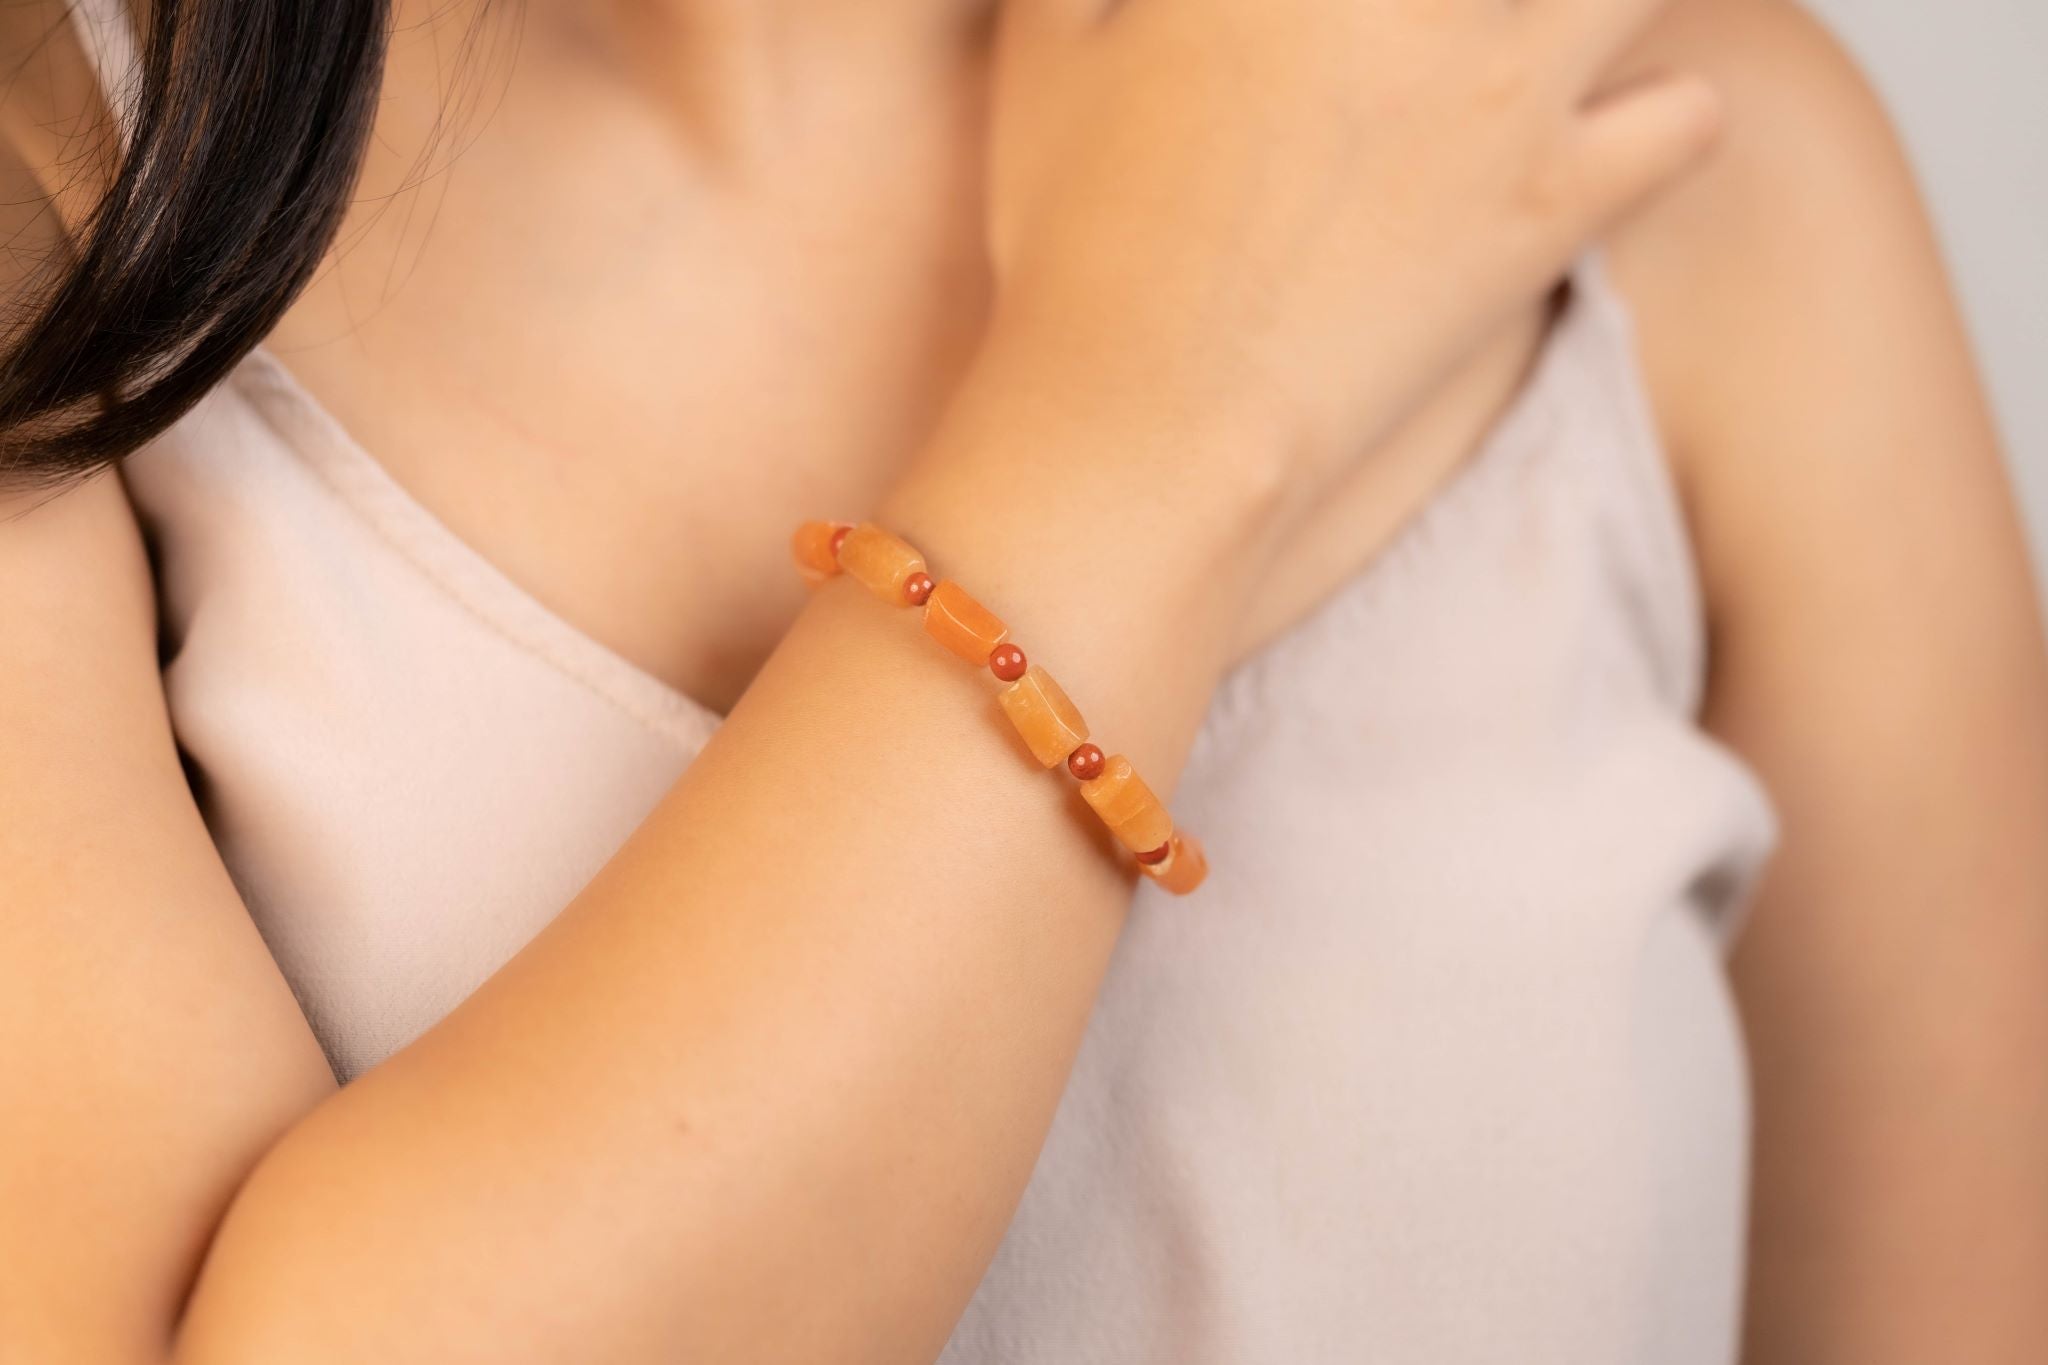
{"points": [[1045, 718]]}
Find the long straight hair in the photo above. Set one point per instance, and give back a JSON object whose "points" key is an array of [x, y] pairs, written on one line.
{"points": [[248, 124]]}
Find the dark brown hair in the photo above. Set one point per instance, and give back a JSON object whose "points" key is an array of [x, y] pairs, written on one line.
{"points": [[248, 126]]}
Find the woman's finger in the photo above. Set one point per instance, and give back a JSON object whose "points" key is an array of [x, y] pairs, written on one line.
{"points": [[1587, 35], [1631, 142]]}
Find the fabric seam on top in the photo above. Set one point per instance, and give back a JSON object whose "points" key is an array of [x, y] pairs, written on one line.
{"points": [[460, 572], [1623, 388]]}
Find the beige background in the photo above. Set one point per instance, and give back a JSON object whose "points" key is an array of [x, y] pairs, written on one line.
{"points": [[1967, 81]]}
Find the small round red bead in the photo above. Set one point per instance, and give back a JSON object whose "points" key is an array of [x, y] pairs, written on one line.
{"points": [[1157, 855], [838, 539], [1086, 762], [1007, 662], [917, 587]]}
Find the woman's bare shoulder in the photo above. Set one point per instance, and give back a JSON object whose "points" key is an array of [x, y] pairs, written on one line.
{"points": [[51, 538], [1801, 342], [78, 627], [1805, 227], [1769, 245]]}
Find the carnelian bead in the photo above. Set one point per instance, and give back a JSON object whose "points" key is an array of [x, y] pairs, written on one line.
{"points": [[1185, 866], [1085, 762], [1134, 815], [917, 588], [1044, 715], [1157, 855], [963, 625], [815, 547], [839, 534], [879, 560], [1008, 663]]}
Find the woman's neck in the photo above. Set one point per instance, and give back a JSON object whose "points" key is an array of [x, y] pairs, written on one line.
{"points": [[740, 78], [720, 33]]}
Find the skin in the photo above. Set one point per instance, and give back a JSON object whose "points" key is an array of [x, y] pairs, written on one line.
{"points": [[619, 1150]]}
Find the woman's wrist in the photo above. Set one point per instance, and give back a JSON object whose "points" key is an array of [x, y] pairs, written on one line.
{"points": [[1138, 524], [1114, 466]]}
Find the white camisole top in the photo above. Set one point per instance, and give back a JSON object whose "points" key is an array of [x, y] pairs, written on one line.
{"points": [[1440, 1067]]}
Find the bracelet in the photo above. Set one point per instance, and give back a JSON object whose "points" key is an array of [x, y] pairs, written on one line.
{"points": [[1047, 721]]}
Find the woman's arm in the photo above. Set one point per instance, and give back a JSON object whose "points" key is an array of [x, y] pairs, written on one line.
{"points": [[149, 1050], [769, 1088], [1878, 655]]}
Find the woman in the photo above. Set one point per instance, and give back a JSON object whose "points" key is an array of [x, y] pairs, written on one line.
{"points": [[431, 709]]}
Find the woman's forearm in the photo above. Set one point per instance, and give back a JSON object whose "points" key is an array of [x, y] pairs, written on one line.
{"points": [[770, 1088]]}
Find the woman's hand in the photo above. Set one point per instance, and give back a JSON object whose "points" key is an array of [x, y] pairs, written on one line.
{"points": [[1292, 216]]}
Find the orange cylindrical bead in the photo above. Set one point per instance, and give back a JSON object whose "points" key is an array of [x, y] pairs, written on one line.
{"points": [[1044, 715], [1184, 867], [813, 548], [1134, 815], [962, 624], [881, 562]]}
